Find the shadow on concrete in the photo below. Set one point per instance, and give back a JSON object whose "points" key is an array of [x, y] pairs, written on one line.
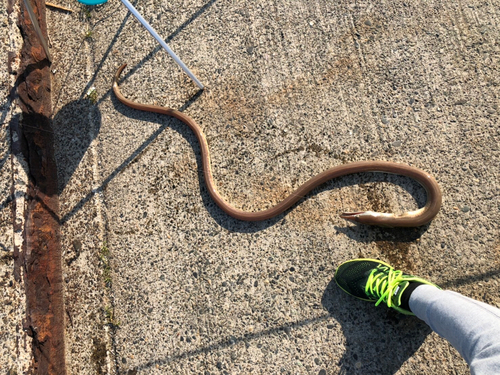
{"points": [[4, 158], [106, 53], [365, 233], [71, 145], [114, 39], [150, 55], [394, 244], [5, 152], [5, 203], [378, 340], [469, 279], [174, 124], [284, 330], [75, 126]]}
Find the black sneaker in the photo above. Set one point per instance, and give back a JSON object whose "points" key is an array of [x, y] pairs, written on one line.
{"points": [[375, 281]]}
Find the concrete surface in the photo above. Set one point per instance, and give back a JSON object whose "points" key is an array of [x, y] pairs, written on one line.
{"points": [[160, 281], [15, 345]]}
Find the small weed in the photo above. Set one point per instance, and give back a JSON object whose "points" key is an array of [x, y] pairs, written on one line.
{"points": [[104, 258], [109, 312], [107, 276], [104, 248], [87, 13], [92, 96], [89, 34]]}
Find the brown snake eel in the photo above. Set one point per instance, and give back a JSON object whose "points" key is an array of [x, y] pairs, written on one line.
{"points": [[408, 219]]}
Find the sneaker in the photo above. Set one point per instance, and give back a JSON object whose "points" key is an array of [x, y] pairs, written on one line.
{"points": [[376, 281]]}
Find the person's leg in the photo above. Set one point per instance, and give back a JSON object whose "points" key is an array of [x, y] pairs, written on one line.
{"points": [[472, 327]]}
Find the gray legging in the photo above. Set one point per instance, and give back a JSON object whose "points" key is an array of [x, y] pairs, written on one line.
{"points": [[472, 327]]}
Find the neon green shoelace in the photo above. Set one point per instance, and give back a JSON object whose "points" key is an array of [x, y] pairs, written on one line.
{"points": [[381, 284]]}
